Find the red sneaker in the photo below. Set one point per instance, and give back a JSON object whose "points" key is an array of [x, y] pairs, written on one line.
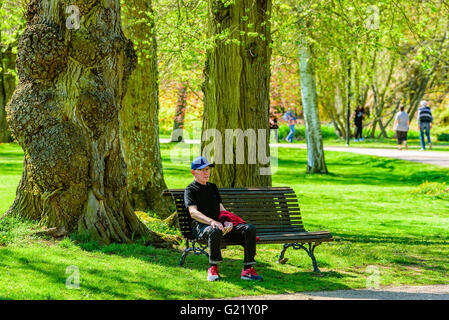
{"points": [[250, 274], [212, 274]]}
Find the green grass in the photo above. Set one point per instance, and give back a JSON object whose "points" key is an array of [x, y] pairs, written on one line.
{"points": [[370, 205], [330, 138]]}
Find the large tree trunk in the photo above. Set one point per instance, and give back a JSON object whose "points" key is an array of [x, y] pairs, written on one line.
{"points": [[64, 114], [315, 152], [236, 93], [139, 124]]}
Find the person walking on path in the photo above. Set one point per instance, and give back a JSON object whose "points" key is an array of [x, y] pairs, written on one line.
{"points": [[358, 121], [290, 117], [212, 222], [425, 121], [401, 126]]}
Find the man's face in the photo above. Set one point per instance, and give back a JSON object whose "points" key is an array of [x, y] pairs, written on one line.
{"points": [[202, 175]]}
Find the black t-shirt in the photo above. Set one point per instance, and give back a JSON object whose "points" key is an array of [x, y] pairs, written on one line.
{"points": [[358, 117], [205, 197]]}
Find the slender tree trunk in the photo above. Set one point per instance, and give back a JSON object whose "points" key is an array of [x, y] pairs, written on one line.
{"points": [[236, 93], [139, 124], [64, 114], [180, 111], [4, 131], [7, 86], [315, 152]]}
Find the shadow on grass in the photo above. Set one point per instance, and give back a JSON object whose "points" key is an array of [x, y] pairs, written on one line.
{"points": [[91, 278], [17, 155], [11, 169], [119, 283], [379, 239], [275, 281]]}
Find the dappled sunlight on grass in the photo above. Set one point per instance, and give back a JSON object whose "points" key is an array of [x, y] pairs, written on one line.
{"points": [[367, 203]]}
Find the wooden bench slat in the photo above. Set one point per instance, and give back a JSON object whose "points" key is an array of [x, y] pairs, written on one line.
{"points": [[274, 211], [268, 210]]}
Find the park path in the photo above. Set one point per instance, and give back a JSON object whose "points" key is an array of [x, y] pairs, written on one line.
{"points": [[439, 158], [429, 292]]}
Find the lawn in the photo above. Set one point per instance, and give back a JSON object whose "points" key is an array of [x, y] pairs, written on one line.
{"points": [[368, 203]]}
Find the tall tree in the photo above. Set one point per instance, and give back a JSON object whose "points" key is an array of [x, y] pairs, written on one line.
{"points": [[236, 92], [139, 124], [64, 114], [315, 152]]}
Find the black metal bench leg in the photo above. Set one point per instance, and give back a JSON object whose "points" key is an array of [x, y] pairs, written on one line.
{"points": [[281, 258], [195, 249], [297, 246], [184, 254], [312, 256]]}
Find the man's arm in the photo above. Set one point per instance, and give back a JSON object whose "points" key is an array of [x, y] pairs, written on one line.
{"points": [[200, 217]]}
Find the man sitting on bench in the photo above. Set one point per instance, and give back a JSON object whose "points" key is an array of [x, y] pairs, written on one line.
{"points": [[211, 221]]}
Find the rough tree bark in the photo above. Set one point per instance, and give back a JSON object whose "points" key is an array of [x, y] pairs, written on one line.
{"points": [[236, 92], [64, 113], [315, 151], [139, 124]]}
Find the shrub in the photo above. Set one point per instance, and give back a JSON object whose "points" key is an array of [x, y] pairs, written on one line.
{"points": [[155, 224], [433, 189], [443, 137]]}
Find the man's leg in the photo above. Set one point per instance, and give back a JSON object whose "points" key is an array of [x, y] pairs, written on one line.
{"points": [[421, 136], [428, 135], [290, 134], [358, 134], [213, 237], [245, 234]]}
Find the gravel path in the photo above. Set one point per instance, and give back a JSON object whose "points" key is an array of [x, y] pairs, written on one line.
{"points": [[440, 158], [432, 292]]}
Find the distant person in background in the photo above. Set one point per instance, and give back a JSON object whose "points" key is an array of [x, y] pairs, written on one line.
{"points": [[274, 126], [290, 117], [425, 121], [358, 121], [401, 126]]}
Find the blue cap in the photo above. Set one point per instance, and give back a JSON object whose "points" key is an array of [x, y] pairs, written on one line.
{"points": [[200, 163]]}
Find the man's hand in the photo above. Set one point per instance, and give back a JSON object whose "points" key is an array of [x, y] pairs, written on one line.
{"points": [[216, 224], [227, 227]]}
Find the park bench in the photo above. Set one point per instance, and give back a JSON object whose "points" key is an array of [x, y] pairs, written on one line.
{"points": [[274, 211]]}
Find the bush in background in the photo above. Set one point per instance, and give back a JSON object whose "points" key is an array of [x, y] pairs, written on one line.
{"points": [[443, 137], [433, 189]]}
